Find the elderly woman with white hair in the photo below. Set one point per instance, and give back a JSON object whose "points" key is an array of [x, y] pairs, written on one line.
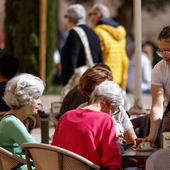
{"points": [[22, 95], [90, 131]]}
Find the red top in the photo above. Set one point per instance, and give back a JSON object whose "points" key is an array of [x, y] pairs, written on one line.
{"points": [[90, 134]]}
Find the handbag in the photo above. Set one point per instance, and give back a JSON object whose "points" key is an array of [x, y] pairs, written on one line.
{"points": [[73, 81]]}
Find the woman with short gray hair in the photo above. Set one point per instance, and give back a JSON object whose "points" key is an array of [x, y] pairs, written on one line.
{"points": [[22, 95], [21, 90], [110, 95], [90, 131]]}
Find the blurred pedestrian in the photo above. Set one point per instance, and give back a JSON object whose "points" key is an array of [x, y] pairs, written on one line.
{"points": [[74, 54], [146, 69], [112, 40]]}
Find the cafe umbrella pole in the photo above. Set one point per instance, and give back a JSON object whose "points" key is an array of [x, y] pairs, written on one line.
{"points": [[42, 38], [137, 39]]}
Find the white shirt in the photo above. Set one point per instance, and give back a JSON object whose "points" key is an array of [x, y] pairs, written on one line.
{"points": [[56, 57], [161, 77], [146, 67], [122, 121]]}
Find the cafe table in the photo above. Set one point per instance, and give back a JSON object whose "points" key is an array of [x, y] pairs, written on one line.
{"points": [[44, 118], [134, 153]]}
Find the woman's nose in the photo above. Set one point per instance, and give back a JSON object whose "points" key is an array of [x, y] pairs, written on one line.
{"points": [[39, 101]]}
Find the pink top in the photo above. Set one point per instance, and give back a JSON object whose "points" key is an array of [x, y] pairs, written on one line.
{"points": [[90, 134]]}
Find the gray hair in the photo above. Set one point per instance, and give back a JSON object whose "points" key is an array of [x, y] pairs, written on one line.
{"points": [[77, 13], [108, 92], [102, 9], [22, 89]]}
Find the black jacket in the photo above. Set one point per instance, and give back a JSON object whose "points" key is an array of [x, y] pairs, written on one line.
{"points": [[3, 105], [73, 99], [73, 55]]}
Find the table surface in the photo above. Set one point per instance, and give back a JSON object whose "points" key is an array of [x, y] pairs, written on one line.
{"points": [[130, 152], [44, 115]]}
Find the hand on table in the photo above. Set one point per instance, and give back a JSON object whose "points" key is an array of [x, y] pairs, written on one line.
{"points": [[150, 138]]}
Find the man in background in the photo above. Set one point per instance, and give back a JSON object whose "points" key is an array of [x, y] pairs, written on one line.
{"points": [[73, 55], [113, 42], [146, 69], [9, 66]]}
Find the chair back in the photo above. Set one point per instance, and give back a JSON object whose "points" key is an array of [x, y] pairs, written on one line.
{"points": [[10, 161], [2, 114], [159, 160], [46, 156]]}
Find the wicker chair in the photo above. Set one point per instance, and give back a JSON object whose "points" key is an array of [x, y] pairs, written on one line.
{"points": [[46, 156], [159, 160], [10, 161]]}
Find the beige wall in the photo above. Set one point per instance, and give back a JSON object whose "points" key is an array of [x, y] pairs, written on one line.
{"points": [[152, 23]]}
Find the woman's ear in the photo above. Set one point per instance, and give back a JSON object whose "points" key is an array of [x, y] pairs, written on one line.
{"points": [[112, 109], [88, 95], [110, 105]]}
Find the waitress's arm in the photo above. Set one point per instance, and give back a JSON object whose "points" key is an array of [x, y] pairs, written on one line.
{"points": [[156, 112]]}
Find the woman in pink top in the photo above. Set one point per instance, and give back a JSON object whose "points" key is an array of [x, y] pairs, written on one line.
{"points": [[90, 132]]}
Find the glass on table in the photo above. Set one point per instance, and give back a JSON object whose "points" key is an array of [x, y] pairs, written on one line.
{"points": [[147, 111]]}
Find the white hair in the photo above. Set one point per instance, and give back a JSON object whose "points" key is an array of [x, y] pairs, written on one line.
{"points": [[102, 9], [77, 13], [108, 92], [22, 89]]}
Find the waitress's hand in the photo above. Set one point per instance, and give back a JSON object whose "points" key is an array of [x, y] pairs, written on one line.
{"points": [[150, 138]]}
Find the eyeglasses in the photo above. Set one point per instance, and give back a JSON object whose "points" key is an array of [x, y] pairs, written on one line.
{"points": [[160, 52], [92, 13], [115, 109]]}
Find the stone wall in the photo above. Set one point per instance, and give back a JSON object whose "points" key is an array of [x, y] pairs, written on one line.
{"points": [[153, 20]]}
